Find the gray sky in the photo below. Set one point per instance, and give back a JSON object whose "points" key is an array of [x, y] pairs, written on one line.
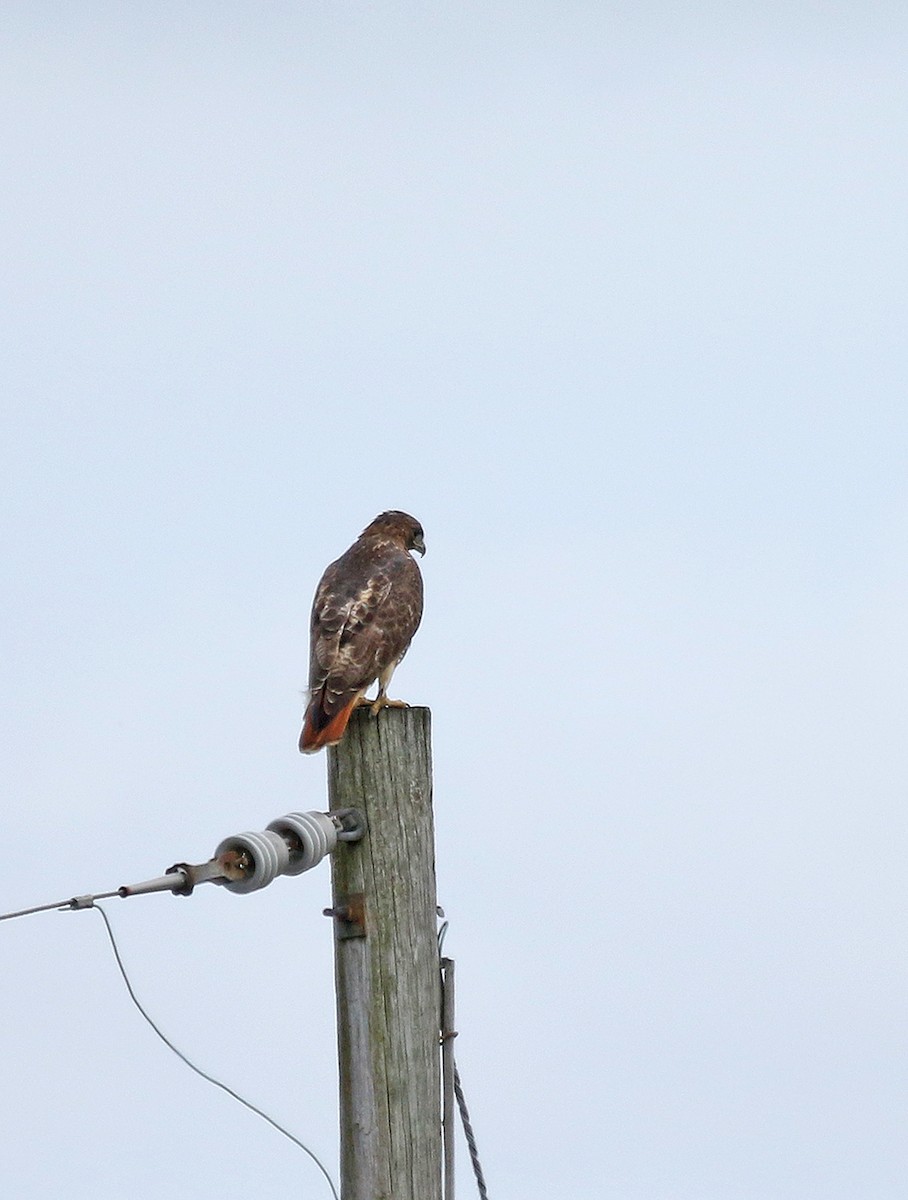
{"points": [[613, 298]]}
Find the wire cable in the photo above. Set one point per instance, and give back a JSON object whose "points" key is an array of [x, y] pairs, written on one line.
{"points": [[198, 1070], [468, 1131], [447, 980], [60, 905]]}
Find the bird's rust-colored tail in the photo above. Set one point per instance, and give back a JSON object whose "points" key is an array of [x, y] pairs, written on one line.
{"points": [[318, 732]]}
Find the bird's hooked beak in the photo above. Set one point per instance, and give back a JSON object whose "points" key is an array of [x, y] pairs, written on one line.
{"points": [[419, 545]]}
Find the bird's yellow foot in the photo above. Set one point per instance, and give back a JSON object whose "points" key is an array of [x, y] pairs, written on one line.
{"points": [[381, 702]]}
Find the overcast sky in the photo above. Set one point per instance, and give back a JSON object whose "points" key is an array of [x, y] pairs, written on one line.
{"points": [[612, 297]]}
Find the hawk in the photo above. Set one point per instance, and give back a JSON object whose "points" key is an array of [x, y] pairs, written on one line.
{"points": [[366, 610]]}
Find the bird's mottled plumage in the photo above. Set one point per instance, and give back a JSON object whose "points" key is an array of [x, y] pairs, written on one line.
{"points": [[367, 608]]}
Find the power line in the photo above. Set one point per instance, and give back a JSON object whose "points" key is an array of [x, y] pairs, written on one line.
{"points": [[247, 862], [60, 905], [242, 863]]}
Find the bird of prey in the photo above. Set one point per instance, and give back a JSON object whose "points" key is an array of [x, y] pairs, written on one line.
{"points": [[366, 610]]}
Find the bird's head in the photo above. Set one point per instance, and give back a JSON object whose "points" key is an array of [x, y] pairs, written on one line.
{"points": [[400, 526]]}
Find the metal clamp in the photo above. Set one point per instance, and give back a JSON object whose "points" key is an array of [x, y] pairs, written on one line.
{"points": [[350, 822]]}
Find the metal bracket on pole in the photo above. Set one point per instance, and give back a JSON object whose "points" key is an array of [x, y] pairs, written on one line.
{"points": [[349, 916], [351, 823]]}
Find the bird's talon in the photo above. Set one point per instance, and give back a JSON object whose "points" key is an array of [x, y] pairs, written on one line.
{"points": [[383, 702]]}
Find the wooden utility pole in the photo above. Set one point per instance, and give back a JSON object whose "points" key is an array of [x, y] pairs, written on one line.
{"points": [[386, 959]]}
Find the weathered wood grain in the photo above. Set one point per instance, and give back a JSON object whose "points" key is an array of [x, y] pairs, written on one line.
{"points": [[387, 981]]}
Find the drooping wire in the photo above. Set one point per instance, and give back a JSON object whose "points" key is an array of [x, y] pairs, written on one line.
{"points": [[198, 1070]]}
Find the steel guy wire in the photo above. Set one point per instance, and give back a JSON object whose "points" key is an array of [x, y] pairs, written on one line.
{"points": [[471, 1139], [458, 1087]]}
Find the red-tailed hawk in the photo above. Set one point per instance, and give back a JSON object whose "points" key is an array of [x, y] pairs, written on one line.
{"points": [[366, 609]]}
